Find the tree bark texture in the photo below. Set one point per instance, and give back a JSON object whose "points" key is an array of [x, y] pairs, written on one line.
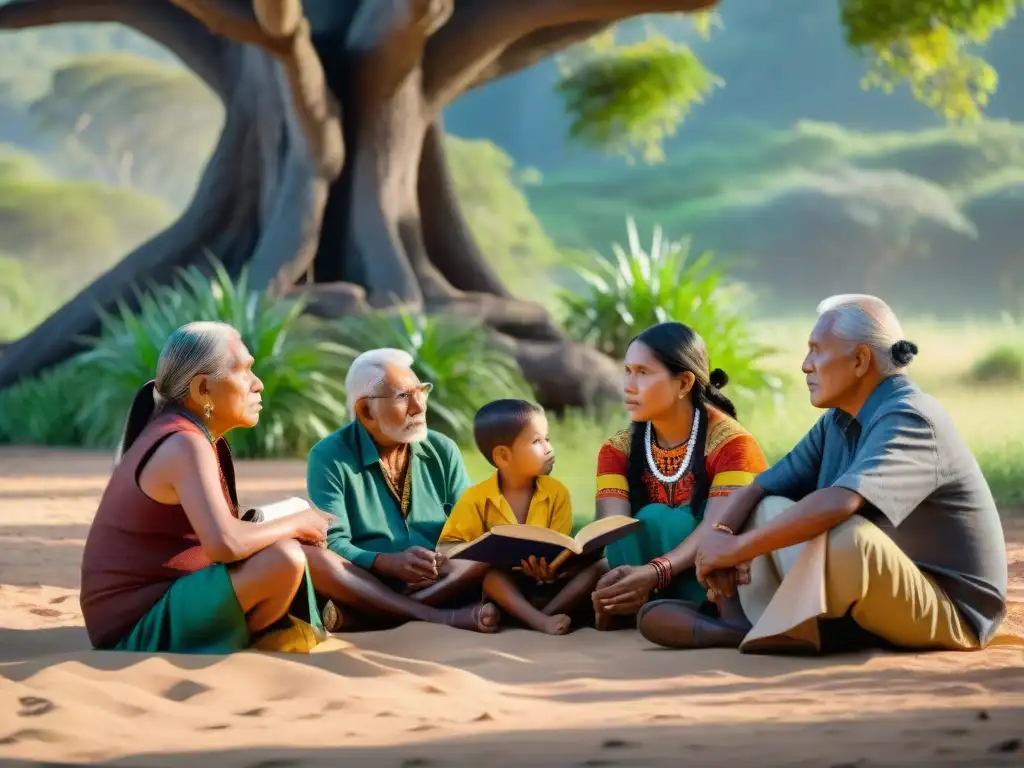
{"points": [[329, 177]]}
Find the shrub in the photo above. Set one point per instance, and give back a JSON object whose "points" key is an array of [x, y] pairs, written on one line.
{"points": [[46, 410], [84, 401], [26, 298], [639, 288], [462, 361], [303, 373], [1001, 365]]}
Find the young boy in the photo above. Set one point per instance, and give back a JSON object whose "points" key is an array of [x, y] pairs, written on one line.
{"points": [[513, 436]]}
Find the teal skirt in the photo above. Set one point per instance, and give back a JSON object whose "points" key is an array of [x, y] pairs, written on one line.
{"points": [[662, 529], [200, 614]]}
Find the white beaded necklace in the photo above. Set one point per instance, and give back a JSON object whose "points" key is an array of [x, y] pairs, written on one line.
{"points": [[685, 463]]}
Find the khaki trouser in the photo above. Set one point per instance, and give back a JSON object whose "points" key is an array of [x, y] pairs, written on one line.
{"points": [[854, 567]]}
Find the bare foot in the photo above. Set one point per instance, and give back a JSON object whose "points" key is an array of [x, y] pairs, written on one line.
{"points": [[556, 625], [482, 617]]}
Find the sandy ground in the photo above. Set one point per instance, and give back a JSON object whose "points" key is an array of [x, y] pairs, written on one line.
{"points": [[426, 696]]}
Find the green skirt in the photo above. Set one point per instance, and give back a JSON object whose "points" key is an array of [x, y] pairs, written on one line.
{"points": [[662, 529], [200, 614]]}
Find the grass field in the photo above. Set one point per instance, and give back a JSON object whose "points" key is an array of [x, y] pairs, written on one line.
{"points": [[991, 418]]}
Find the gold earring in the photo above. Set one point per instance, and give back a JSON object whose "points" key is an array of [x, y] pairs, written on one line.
{"points": [[207, 411]]}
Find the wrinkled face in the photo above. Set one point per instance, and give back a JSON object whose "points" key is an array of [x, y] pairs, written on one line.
{"points": [[651, 391], [399, 406], [234, 397], [531, 454], [833, 366]]}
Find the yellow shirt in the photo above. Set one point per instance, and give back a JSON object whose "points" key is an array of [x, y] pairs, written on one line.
{"points": [[482, 507]]}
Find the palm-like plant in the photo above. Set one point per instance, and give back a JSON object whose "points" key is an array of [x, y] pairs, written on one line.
{"points": [[641, 287], [461, 360], [302, 371], [45, 410]]}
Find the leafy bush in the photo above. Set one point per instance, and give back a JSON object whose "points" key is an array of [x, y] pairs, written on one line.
{"points": [[303, 373], [84, 402], [634, 96], [462, 362], [639, 288], [26, 298], [1002, 365], [47, 410]]}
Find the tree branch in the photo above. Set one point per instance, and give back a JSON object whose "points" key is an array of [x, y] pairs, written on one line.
{"points": [[480, 31], [233, 19], [159, 20], [281, 28], [537, 46]]}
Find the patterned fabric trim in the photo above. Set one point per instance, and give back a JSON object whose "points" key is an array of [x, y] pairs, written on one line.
{"points": [[722, 431], [620, 441]]}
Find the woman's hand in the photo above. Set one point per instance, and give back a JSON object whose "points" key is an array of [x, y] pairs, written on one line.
{"points": [[716, 552], [311, 527], [625, 589]]}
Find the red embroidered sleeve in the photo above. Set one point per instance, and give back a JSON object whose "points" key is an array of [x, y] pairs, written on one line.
{"points": [[611, 473]]}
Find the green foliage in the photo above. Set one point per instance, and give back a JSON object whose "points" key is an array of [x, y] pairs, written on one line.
{"points": [[813, 194], [70, 231], [47, 410], [131, 121], [639, 288], [634, 96], [927, 43], [461, 360], [25, 298], [498, 214], [1002, 365], [302, 371]]}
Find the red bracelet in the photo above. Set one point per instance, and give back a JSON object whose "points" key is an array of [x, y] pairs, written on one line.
{"points": [[664, 569], [659, 573]]}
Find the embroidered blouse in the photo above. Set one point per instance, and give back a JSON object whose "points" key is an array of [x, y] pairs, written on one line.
{"points": [[731, 454]]}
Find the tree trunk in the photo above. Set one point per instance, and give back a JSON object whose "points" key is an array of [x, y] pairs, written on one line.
{"points": [[257, 204], [382, 229]]}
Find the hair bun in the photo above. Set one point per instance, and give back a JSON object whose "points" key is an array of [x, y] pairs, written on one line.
{"points": [[718, 378], [903, 352]]}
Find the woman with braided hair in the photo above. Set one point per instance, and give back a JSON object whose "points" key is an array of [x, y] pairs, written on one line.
{"points": [[683, 454]]}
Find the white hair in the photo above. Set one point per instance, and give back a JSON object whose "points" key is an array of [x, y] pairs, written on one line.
{"points": [[194, 349], [367, 371], [863, 319]]}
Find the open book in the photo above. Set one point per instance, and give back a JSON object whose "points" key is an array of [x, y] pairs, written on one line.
{"points": [[507, 545], [277, 509]]}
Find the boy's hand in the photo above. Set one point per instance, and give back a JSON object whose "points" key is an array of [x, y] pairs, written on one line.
{"points": [[539, 569]]}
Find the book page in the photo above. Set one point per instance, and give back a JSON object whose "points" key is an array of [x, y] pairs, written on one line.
{"points": [[600, 527], [283, 508], [536, 533]]}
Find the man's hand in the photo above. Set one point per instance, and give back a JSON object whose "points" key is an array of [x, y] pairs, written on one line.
{"points": [[715, 553], [415, 565], [625, 589]]}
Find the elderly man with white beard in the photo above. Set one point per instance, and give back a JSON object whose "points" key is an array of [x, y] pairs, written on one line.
{"points": [[390, 483]]}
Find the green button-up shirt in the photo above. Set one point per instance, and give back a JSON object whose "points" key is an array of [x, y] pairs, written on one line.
{"points": [[344, 478]]}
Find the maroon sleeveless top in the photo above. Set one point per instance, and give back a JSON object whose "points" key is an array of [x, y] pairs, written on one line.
{"points": [[137, 547]]}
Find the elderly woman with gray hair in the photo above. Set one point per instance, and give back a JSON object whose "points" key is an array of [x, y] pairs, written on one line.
{"points": [[168, 565], [877, 529]]}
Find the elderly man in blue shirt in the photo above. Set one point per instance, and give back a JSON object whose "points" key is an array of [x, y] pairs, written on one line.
{"points": [[878, 529]]}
